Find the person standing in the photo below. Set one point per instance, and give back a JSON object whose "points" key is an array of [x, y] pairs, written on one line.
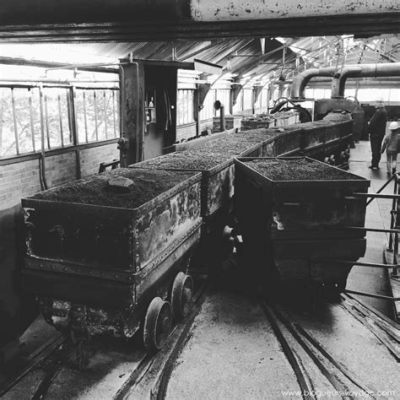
{"points": [[391, 143], [377, 128]]}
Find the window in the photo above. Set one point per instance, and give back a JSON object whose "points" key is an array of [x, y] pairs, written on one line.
{"points": [[224, 96], [258, 102], [238, 106], [247, 99], [24, 118], [185, 106], [264, 99], [56, 119], [33, 117], [208, 112], [97, 114], [317, 93]]}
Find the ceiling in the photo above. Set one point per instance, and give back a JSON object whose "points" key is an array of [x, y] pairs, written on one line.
{"points": [[252, 61]]}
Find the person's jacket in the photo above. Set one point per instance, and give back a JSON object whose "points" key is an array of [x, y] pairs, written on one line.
{"points": [[377, 124], [391, 143]]}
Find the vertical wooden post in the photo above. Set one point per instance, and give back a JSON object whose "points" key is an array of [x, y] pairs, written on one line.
{"points": [[31, 119], [95, 115], [132, 112], [74, 130], [15, 121], [196, 110], [253, 100], [85, 116], [60, 120], [46, 115]]}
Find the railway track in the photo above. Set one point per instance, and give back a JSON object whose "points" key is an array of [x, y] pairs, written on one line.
{"points": [[53, 356], [314, 365], [151, 381], [384, 329], [54, 345], [296, 342], [306, 355]]}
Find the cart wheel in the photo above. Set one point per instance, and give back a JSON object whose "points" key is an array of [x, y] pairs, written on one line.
{"points": [[181, 297], [157, 324]]}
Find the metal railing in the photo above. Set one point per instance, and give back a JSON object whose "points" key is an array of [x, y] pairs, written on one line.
{"points": [[393, 231]]}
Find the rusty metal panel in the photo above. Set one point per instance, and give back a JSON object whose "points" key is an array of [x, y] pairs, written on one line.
{"points": [[222, 10], [161, 226], [78, 233], [318, 208], [78, 289], [313, 135], [218, 189], [149, 277], [268, 149], [87, 237], [338, 130], [289, 141]]}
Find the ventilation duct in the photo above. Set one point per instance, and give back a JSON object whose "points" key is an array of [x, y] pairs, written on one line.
{"points": [[362, 71], [301, 80]]}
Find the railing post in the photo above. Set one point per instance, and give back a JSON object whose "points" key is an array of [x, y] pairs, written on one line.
{"points": [[395, 272], [393, 218]]}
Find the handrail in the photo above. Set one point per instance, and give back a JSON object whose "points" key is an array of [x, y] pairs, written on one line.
{"points": [[375, 296], [382, 187]]}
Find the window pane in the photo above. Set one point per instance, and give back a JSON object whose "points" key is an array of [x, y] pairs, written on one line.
{"points": [[80, 115], [7, 132], [185, 98], [247, 99], [207, 112], [23, 120], [56, 119], [238, 106], [91, 116]]}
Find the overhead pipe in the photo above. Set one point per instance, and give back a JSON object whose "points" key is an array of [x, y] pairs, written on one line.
{"points": [[362, 71], [301, 80]]}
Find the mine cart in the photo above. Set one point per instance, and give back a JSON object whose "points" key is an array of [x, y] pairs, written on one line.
{"points": [[323, 139], [297, 216], [214, 159], [288, 142], [104, 249]]}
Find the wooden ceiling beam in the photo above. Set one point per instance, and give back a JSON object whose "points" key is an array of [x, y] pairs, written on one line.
{"points": [[360, 24]]}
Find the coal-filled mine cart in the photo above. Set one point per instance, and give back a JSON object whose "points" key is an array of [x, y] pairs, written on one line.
{"points": [[297, 216], [103, 252]]}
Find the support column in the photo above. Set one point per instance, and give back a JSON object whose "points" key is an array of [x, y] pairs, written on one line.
{"points": [[132, 113]]}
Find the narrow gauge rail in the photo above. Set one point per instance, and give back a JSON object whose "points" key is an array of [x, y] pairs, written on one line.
{"points": [[344, 382], [56, 351], [316, 364], [41, 354], [337, 375]]}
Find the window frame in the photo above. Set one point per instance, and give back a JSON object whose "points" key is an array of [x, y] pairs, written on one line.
{"points": [[66, 121]]}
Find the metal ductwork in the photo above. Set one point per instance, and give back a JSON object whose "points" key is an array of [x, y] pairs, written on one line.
{"points": [[362, 71], [301, 80]]}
